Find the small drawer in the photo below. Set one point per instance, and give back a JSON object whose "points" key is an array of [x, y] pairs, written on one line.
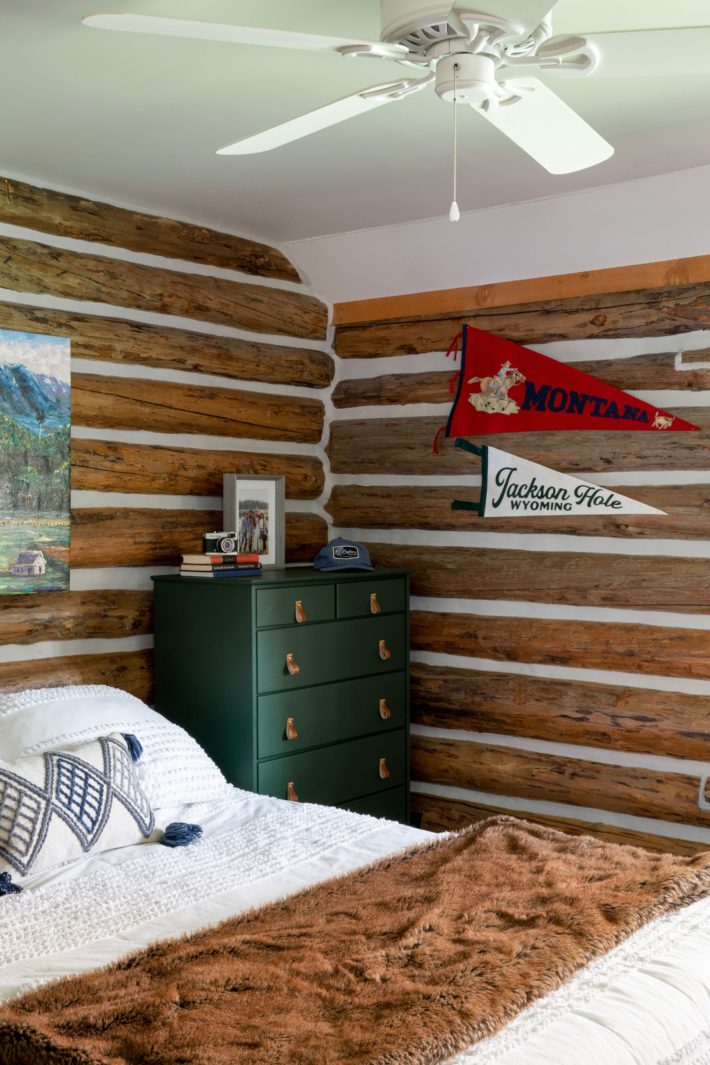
{"points": [[363, 598], [297, 605], [299, 656], [336, 774], [330, 713], [391, 804]]}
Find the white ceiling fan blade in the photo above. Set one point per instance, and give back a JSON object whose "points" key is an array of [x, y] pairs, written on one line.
{"points": [[547, 129], [217, 31], [527, 14], [653, 53], [322, 118]]}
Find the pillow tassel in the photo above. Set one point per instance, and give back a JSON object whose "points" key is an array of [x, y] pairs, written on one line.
{"points": [[7, 887], [180, 834], [135, 747]]}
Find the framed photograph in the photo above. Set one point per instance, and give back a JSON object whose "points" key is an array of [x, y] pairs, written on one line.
{"points": [[254, 508]]}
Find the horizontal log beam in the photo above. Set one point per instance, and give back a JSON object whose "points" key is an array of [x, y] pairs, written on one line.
{"points": [[631, 374], [445, 302], [75, 616], [404, 445], [104, 466], [27, 266], [552, 778], [132, 671], [76, 216], [687, 512], [163, 407], [656, 312], [145, 537], [585, 714], [120, 340], [625, 581], [446, 815]]}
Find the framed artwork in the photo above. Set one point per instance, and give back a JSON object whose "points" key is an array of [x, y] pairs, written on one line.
{"points": [[35, 462], [254, 508]]}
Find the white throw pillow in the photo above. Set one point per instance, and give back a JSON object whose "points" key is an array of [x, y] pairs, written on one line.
{"points": [[173, 768], [57, 806]]}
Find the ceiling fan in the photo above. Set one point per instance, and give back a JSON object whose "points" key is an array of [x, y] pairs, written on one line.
{"points": [[482, 58]]}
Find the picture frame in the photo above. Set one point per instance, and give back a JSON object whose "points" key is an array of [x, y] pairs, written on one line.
{"points": [[254, 507]]}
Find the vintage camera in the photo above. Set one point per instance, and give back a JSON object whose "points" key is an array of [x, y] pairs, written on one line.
{"points": [[219, 543]]}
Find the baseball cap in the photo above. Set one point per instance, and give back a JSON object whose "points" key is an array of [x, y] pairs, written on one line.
{"points": [[343, 554]]}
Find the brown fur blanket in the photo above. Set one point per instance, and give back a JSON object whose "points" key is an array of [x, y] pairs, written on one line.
{"points": [[403, 963]]}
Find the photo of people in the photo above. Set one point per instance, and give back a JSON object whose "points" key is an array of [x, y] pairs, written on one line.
{"points": [[253, 528]]}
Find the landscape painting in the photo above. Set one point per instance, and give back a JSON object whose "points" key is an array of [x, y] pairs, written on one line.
{"points": [[35, 415]]}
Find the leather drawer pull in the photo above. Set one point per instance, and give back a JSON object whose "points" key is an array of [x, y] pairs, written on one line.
{"points": [[385, 712], [292, 665], [384, 771], [385, 652], [291, 731], [291, 792], [300, 612], [375, 607]]}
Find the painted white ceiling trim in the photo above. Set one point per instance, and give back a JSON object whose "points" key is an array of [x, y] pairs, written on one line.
{"points": [[652, 218]]}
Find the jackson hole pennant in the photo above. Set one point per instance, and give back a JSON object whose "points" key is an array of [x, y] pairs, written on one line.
{"points": [[515, 487], [506, 388]]}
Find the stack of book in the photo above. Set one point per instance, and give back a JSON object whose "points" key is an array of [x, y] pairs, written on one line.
{"points": [[220, 566]]}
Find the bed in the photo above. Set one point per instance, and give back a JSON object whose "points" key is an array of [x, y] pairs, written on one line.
{"points": [[647, 1002]]}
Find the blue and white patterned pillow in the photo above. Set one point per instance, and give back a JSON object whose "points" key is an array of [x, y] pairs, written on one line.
{"points": [[59, 805]]}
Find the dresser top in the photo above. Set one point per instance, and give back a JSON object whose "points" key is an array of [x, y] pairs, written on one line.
{"points": [[292, 575]]}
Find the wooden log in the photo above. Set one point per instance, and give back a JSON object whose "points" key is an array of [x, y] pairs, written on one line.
{"points": [[75, 616], [26, 266], [145, 537], [593, 715], [163, 407], [444, 302], [551, 778], [121, 340], [686, 506], [404, 445], [629, 648], [132, 671], [622, 581], [76, 216], [656, 312], [632, 374], [104, 466], [445, 815]]}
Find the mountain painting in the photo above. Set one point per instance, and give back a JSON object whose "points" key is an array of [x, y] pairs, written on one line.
{"points": [[35, 415]]}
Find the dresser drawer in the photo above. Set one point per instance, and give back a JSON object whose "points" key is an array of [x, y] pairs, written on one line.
{"points": [[330, 713], [374, 597], [326, 653], [279, 606], [335, 774], [391, 804]]}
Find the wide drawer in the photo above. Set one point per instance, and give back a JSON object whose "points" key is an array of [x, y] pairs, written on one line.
{"points": [[362, 598], [280, 606], [333, 775], [326, 653], [391, 804], [329, 713]]}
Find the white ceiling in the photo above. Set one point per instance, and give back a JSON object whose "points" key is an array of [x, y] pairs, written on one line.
{"points": [[136, 119]]}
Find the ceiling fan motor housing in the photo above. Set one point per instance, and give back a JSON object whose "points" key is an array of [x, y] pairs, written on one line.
{"points": [[414, 22]]}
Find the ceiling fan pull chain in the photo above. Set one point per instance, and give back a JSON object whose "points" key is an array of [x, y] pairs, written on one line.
{"points": [[454, 213]]}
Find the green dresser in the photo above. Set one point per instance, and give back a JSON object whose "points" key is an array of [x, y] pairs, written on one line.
{"points": [[296, 682]]}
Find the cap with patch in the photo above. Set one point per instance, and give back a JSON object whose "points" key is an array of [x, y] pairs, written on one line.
{"points": [[343, 554]]}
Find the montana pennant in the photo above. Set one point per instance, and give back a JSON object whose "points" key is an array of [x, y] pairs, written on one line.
{"points": [[513, 487], [506, 388]]}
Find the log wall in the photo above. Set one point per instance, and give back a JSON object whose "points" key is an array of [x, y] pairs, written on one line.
{"points": [[209, 359], [560, 666]]}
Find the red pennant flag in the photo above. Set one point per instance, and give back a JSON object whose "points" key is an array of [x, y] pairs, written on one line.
{"points": [[506, 388]]}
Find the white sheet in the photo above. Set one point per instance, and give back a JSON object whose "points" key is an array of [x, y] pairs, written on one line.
{"points": [[646, 1003]]}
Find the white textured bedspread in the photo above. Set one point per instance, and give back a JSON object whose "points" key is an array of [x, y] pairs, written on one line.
{"points": [[646, 1003]]}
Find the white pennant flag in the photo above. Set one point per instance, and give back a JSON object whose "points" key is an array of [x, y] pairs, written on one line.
{"points": [[513, 487]]}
